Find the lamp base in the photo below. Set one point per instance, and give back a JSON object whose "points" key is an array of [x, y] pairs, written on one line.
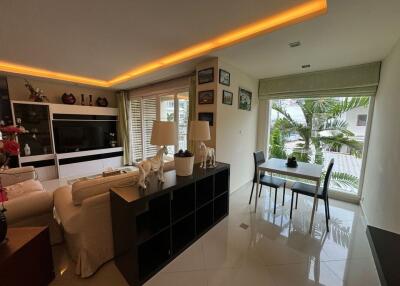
{"points": [[207, 154]]}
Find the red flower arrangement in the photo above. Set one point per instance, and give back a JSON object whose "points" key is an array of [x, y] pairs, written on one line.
{"points": [[8, 145]]}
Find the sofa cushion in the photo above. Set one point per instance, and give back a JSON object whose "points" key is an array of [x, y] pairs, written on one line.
{"points": [[16, 175], [168, 166], [88, 188], [28, 205], [20, 189]]}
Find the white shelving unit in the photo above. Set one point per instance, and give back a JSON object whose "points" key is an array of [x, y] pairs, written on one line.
{"points": [[74, 169]]}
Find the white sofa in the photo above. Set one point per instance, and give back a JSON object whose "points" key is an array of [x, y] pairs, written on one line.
{"points": [[83, 210], [32, 208]]}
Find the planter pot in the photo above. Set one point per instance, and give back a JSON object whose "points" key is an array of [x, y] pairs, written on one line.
{"points": [[3, 226], [184, 166]]}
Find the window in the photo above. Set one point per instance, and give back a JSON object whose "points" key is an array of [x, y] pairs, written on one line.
{"points": [[362, 120], [166, 107], [316, 130]]}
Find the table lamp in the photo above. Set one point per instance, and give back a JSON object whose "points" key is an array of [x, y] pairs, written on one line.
{"points": [[162, 134], [200, 131]]}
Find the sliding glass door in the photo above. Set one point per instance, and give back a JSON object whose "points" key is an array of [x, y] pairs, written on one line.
{"points": [[318, 129]]}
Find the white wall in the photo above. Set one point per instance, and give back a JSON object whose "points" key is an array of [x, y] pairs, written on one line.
{"points": [[237, 129], [381, 191]]}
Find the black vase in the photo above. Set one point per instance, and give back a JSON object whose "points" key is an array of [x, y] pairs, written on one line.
{"points": [[3, 226]]}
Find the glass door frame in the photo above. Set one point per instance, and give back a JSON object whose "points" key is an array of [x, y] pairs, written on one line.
{"points": [[343, 196]]}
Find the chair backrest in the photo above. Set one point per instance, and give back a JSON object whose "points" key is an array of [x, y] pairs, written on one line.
{"points": [[259, 158], [327, 178]]}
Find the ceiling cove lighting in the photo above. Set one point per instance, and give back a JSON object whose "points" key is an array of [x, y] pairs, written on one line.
{"points": [[31, 71], [292, 15]]}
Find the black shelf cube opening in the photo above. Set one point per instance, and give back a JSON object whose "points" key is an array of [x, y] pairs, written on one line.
{"points": [[204, 218], [221, 182], [221, 206], [153, 220], [153, 253], [183, 202], [204, 191], [183, 233]]}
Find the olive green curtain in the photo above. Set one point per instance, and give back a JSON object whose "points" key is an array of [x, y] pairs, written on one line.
{"points": [[123, 126], [360, 80], [192, 109]]}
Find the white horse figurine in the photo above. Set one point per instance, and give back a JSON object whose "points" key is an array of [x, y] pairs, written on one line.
{"points": [[207, 154], [155, 164]]}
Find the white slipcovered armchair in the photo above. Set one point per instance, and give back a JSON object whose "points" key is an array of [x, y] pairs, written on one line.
{"points": [[31, 207]]}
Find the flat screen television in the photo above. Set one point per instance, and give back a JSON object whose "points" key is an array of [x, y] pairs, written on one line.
{"points": [[76, 135]]}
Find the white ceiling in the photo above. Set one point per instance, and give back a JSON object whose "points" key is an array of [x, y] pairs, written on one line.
{"points": [[103, 38], [352, 32]]}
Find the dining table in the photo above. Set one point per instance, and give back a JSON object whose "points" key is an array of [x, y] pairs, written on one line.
{"points": [[308, 171]]}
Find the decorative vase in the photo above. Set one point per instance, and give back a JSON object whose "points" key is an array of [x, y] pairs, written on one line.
{"points": [[68, 98], [184, 165], [102, 102], [90, 100], [82, 99], [3, 226]]}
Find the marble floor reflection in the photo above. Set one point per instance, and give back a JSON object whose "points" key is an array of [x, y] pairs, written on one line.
{"points": [[261, 248]]}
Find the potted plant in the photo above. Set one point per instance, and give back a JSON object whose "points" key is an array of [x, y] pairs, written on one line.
{"points": [[184, 161]]}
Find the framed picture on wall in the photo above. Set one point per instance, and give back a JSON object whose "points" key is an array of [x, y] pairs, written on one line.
{"points": [[227, 97], [206, 116], [206, 97], [244, 99], [224, 77], [205, 75]]}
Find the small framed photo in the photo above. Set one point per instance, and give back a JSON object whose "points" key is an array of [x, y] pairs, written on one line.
{"points": [[227, 97], [244, 99], [224, 77], [205, 75], [206, 97], [206, 116]]}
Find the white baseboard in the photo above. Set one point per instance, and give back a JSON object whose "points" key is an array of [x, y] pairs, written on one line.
{"points": [[242, 186]]}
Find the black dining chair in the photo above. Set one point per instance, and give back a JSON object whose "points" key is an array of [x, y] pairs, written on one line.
{"points": [[309, 190], [266, 180]]}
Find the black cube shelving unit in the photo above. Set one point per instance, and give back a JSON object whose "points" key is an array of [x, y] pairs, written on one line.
{"points": [[152, 227]]}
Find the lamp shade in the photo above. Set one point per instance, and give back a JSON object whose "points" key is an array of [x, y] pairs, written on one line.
{"points": [[163, 133], [199, 131]]}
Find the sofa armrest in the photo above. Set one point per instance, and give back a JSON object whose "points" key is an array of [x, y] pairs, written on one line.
{"points": [[29, 205], [17, 175], [96, 218], [96, 237]]}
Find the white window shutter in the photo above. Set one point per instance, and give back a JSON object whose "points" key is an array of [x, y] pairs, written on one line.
{"points": [[149, 115], [136, 129]]}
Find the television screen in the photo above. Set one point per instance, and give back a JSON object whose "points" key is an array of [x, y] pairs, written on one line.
{"points": [[73, 136]]}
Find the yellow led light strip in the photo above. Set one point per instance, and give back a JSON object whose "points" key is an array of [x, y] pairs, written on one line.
{"points": [[293, 15], [25, 70]]}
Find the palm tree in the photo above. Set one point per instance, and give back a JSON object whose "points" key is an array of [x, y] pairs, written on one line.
{"points": [[277, 143], [322, 129]]}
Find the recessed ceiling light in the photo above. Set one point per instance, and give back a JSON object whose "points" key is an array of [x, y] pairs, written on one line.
{"points": [[295, 44], [306, 66]]}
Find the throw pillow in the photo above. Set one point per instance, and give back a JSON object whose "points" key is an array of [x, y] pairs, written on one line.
{"points": [[20, 189]]}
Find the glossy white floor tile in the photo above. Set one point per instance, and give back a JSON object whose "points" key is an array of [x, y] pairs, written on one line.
{"points": [[272, 250]]}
